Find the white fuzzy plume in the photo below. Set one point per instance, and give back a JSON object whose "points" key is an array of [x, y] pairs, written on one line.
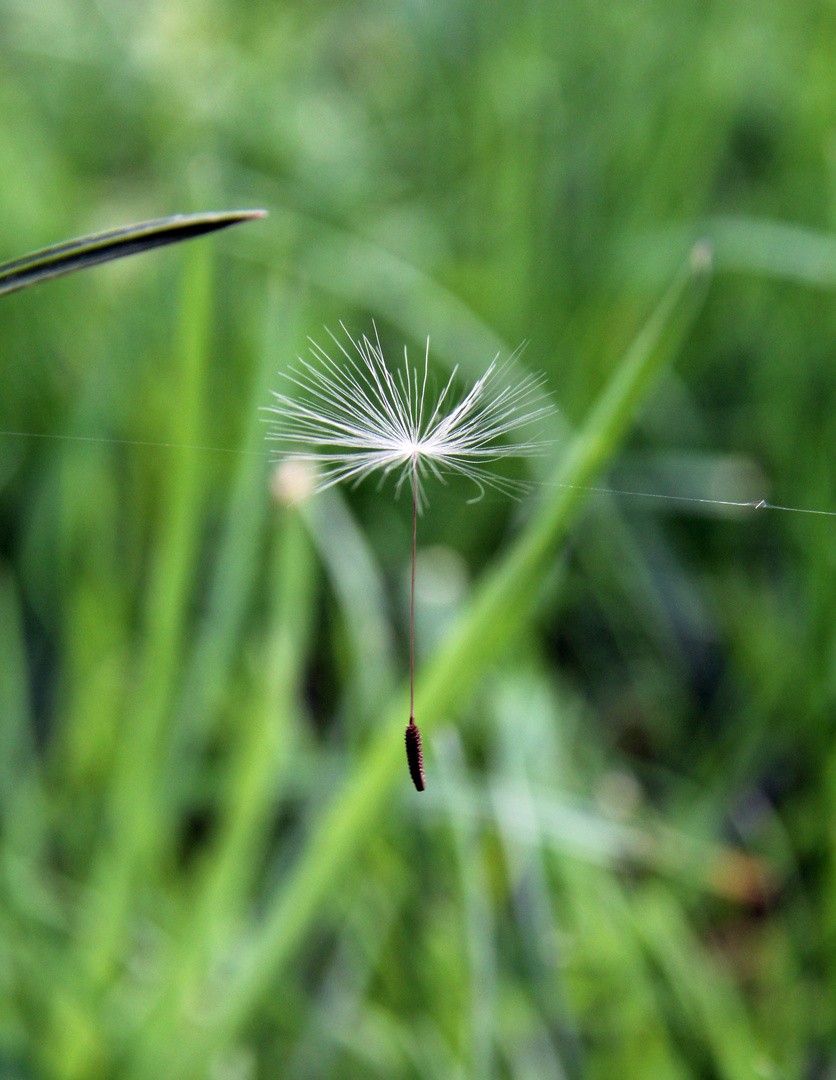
{"points": [[356, 417]]}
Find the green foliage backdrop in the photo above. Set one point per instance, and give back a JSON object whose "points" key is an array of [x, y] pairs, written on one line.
{"points": [[212, 861]]}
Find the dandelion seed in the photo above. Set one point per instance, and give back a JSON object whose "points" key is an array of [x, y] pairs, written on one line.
{"points": [[356, 417]]}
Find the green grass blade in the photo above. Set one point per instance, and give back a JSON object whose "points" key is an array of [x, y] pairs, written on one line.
{"points": [[358, 586], [495, 616], [256, 770], [235, 572], [778, 249], [480, 1020], [742, 244], [22, 804], [64, 258], [135, 807], [17, 752]]}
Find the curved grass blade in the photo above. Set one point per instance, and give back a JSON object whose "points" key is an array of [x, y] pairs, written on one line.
{"points": [[101, 247]]}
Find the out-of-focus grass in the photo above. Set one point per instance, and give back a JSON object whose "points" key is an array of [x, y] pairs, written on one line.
{"points": [[211, 860]]}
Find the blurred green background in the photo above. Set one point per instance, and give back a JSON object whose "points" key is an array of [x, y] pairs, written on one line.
{"points": [[211, 864]]}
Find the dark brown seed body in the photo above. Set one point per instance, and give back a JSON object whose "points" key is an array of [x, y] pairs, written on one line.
{"points": [[414, 757]]}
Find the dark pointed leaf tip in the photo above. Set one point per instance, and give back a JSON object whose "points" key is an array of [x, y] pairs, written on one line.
{"points": [[84, 251]]}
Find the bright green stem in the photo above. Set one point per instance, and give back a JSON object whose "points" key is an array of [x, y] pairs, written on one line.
{"points": [[133, 817], [256, 774], [497, 611]]}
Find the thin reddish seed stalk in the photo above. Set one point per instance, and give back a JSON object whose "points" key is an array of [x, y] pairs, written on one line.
{"points": [[413, 735], [412, 593]]}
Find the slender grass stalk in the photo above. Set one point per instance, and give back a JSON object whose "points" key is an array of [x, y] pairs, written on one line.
{"points": [[356, 581], [478, 1022], [233, 578], [254, 784], [21, 794], [496, 613], [134, 811]]}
